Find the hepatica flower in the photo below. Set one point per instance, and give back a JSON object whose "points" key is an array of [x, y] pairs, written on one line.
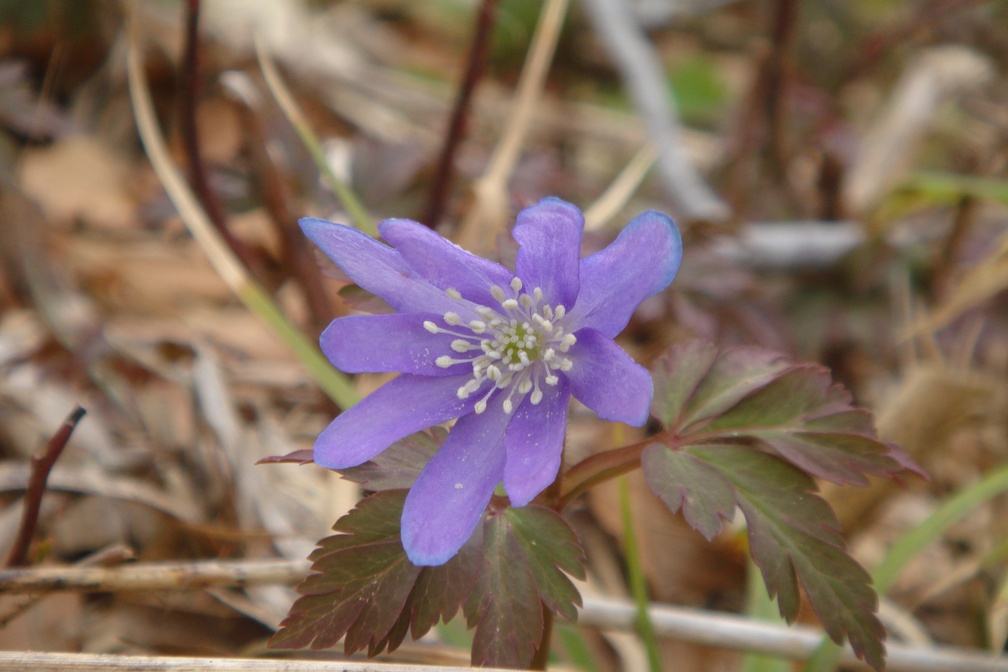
{"points": [[501, 350]]}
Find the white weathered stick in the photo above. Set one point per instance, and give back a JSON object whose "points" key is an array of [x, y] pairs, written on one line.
{"points": [[728, 631], [642, 74]]}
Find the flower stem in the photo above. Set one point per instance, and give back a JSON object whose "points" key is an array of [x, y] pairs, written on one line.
{"points": [[541, 657], [599, 468]]}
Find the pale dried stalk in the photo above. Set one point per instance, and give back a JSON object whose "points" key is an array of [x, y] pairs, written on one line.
{"points": [[642, 74], [488, 211], [224, 261], [615, 197], [154, 576], [18, 661], [726, 631]]}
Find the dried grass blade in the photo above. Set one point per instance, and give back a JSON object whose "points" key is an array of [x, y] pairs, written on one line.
{"points": [[337, 386], [354, 208]]}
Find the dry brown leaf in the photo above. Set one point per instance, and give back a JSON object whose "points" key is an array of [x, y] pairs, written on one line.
{"points": [[79, 177]]}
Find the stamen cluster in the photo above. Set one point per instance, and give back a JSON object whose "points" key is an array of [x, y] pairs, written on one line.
{"points": [[518, 346]]}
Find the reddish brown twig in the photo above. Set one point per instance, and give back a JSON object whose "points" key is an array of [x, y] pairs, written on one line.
{"points": [[477, 59], [775, 74], [41, 465], [275, 195], [188, 95]]}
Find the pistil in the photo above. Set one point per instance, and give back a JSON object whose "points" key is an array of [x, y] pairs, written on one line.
{"points": [[516, 347]]}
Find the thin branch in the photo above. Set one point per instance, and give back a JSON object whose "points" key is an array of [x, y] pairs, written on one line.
{"points": [[488, 212], [726, 631], [188, 95], [154, 576], [41, 465], [336, 385], [477, 59], [18, 661], [298, 258], [774, 74], [729, 631], [642, 74]]}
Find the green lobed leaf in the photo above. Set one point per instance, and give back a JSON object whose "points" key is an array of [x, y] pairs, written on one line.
{"points": [[365, 591], [793, 536], [683, 481], [398, 466], [746, 428], [526, 553]]}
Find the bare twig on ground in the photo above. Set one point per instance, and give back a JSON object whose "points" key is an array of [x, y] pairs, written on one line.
{"points": [[797, 642], [476, 63], [728, 631], [41, 465], [154, 576], [642, 74], [92, 662], [488, 211]]}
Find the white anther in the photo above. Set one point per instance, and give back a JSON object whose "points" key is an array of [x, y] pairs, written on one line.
{"points": [[516, 284], [536, 396], [551, 379], [477, 326], [566, 364], [547, 312], [493, 373], [444, 361], [453, 293], [507, 406], [497, 293], [560, 311], [509, 304], [452, 318], [567, 341], [458, 345], [537, 293], [525, 300], [525, 386], [480, 406], [431, 327]]}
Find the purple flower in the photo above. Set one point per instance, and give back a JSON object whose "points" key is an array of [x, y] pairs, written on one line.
{"points": [[500, 350]]}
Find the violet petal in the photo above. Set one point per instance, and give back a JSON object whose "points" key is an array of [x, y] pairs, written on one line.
{"points": [[549, 234], [384, 343], [607, 380], [398, 408], [443, 263], [448, 498], [641, 262], [379, 269], [534, 443]]}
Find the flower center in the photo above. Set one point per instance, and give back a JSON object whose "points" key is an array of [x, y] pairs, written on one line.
{"points": [[519, 346]]}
